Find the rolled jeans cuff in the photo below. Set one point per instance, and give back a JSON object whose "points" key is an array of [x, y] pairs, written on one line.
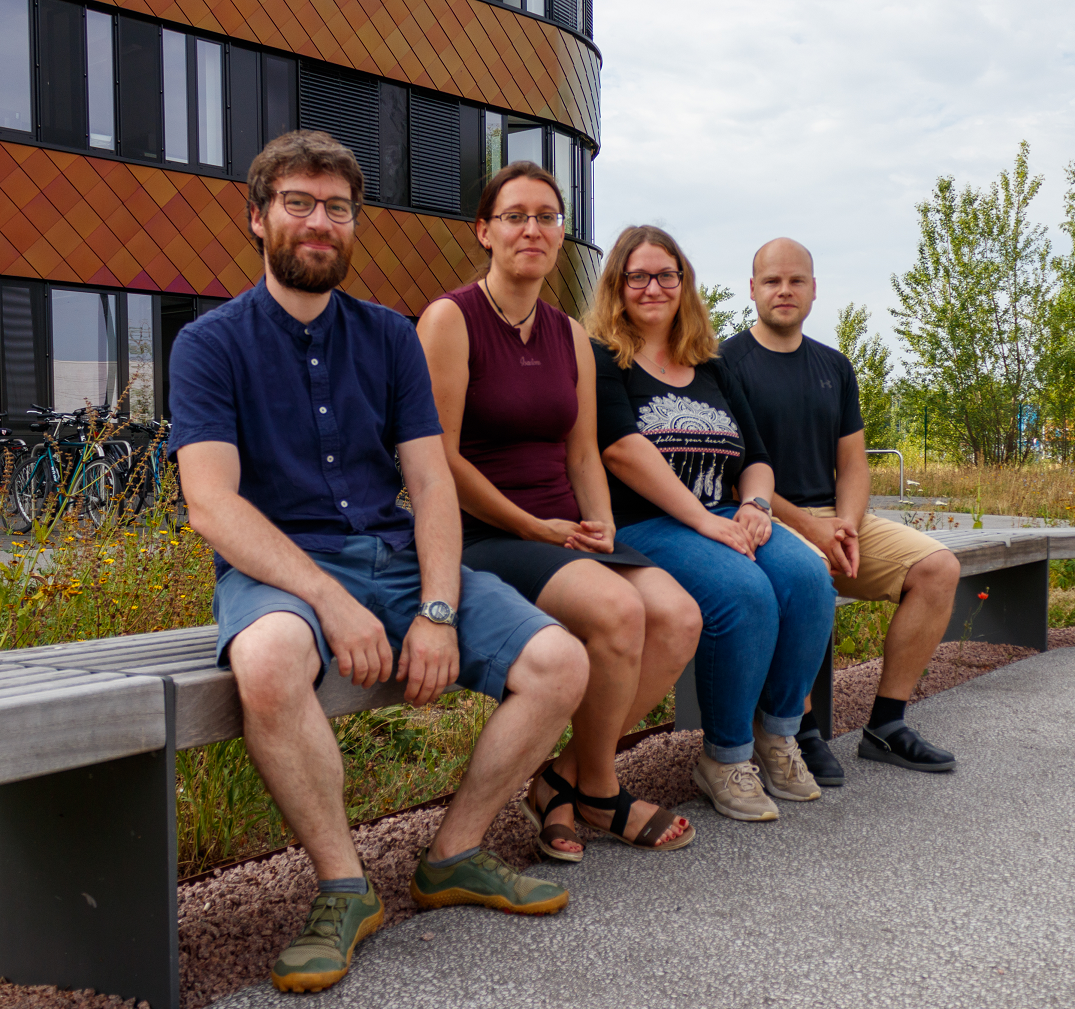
{"points": [[728, 754], [779, 726]]}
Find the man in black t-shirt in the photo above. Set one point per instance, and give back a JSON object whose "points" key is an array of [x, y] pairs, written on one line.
{"points": [[806, 404]]}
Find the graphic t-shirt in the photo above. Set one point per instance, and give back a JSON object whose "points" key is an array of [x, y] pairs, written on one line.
{"points": [[704, 430], [804, 403]]}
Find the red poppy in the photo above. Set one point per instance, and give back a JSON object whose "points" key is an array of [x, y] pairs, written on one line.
{"points": [[983, 595]]}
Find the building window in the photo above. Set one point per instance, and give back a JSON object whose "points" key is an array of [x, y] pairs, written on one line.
{"points": [[61, 74], [84, 353], [244, 101], [20, 385], [210, 103], [281, 113], [347, 106], [525, 140], [101, 81], [15, 66], [176, 120], [435, 152], [139, 90], [563, 167], [140, 356]]}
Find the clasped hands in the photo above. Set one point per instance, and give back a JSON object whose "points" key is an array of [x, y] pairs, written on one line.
{"points": [[838, 539], [589, 536], [428, 661], [750, 529]]}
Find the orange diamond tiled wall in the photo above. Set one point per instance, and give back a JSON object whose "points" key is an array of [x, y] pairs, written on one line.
{"points": [[69, 218], [478, 51]]}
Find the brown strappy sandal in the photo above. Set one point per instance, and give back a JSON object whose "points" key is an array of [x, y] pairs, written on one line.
{"points": [[646, 838], [565, 796]]}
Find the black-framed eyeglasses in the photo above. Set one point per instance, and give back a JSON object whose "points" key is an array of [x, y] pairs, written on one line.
{"points": [[516, 219], [337, 209], [668, 279]]}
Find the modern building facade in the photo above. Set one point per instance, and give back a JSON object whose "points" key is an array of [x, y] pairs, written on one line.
{"points": [[127, 128]]}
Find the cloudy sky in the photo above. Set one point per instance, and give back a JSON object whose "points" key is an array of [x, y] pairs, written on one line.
{"points": [[732, 122]]}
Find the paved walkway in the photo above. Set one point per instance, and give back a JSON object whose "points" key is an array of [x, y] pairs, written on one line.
{"points": [[898, 890]]}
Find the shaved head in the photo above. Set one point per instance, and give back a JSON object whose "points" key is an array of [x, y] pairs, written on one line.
{"points": [[778, 247]]}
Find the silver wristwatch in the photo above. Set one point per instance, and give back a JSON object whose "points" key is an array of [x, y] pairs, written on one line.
{"points": [[439, 612], [761, 504]]}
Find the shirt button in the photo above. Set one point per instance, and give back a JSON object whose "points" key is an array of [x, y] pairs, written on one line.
{"points": [[330, 458], [322, 410], [313, 360], [343, 504]]}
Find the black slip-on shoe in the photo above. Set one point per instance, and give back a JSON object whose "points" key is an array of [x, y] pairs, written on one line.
{"points": [[905, 748], [820, 760]]}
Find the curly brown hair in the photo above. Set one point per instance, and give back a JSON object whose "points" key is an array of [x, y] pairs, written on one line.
{"points": [[691, 341], [301, 152]]}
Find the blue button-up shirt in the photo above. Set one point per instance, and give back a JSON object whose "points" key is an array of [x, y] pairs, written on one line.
{"points": [[316, 411]]}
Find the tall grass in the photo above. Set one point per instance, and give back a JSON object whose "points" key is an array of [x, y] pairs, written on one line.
{"points": [[1040, 491]]}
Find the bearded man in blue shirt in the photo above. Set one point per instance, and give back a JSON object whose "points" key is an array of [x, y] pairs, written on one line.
{"points": [[289, 404]]}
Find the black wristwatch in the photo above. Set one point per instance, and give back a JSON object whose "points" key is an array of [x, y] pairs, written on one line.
{"points": [[761, 504], [439, 612]]}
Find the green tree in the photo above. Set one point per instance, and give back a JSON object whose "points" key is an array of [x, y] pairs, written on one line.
{"points": [[1056, 368], [974, 311], [725, 321], [870, 359]]}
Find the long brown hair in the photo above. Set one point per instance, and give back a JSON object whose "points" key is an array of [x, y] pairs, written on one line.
{"points": [[691, 341], [516, 170]]}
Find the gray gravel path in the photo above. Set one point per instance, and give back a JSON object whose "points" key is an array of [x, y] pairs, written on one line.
{"points": [[898, 890]]}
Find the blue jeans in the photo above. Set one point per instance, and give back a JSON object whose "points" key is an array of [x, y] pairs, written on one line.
{"points": [[766, 625]]}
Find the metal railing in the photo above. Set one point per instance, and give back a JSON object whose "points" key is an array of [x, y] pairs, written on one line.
{"points": [[899, 454]]}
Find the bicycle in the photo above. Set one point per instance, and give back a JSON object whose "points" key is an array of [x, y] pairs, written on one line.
{"points": [[41, 490], [12, 450], [154, 481]]}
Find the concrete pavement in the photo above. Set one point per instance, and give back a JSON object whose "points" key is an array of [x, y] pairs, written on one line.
{"points": [[898, 890]]}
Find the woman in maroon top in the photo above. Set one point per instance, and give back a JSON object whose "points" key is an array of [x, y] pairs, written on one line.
{"points": [[514, 381]]}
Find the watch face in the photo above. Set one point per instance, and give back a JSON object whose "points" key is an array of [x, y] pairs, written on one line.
{"points": [[441, 612]]}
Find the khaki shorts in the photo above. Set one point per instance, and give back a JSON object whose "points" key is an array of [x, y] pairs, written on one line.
{"points": [[887, 551]]}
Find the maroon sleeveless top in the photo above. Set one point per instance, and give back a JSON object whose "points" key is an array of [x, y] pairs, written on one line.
{"points": [[521, 405]]}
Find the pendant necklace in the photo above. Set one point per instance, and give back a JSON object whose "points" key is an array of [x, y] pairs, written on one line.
{"points": [[503, 314], [651, 361]]}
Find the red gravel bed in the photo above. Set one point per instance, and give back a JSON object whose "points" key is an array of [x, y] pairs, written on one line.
{"points": [[232, 926]]}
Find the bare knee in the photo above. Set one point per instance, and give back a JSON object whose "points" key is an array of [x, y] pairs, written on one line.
{"points": [[936, 575], [552, 670], [275, 660], [674, 623], [618, 622]]}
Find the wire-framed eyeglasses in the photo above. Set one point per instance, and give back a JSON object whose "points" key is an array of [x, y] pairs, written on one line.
{"points": [[668, 279], [299, 204], [517, 219]]}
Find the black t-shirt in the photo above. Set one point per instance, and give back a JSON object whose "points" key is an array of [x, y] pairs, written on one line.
{"points": [[704, 430], [804, 403]]}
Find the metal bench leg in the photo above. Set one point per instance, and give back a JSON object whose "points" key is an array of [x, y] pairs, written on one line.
{"points": [[88, 878], [688, 713], [821, 695], [1016, 612]]}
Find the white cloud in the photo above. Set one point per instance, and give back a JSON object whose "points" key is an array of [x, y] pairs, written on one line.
{"points": [[730, 123]]}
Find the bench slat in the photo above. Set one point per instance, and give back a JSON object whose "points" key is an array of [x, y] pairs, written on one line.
{"points": [[47, 688], [46, 681], [80, 725]]}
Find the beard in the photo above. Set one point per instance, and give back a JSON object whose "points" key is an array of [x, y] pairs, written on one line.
{"points": [[313, 272]]}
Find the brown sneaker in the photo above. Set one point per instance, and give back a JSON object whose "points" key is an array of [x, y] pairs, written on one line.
{"points": [[782, 767], [734, 789]]}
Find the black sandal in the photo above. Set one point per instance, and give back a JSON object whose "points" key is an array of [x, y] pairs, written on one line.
{"points": [[646, 838], [565, 796]]}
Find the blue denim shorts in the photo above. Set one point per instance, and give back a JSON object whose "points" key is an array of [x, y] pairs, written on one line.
{"points": [[495, 622]]}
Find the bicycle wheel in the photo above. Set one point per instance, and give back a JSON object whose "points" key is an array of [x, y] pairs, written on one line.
{"points": [[32, 486], [99, 492], [11, 519]]}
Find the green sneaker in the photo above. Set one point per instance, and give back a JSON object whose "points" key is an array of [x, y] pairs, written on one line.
{"points": [[321, 953], [488, 880]]}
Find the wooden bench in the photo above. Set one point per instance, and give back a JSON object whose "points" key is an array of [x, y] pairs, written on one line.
{"points": [[88, 735], [1013, 564]]}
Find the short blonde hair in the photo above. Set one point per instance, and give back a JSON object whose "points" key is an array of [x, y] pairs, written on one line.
{"points": [[691, 341]]}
